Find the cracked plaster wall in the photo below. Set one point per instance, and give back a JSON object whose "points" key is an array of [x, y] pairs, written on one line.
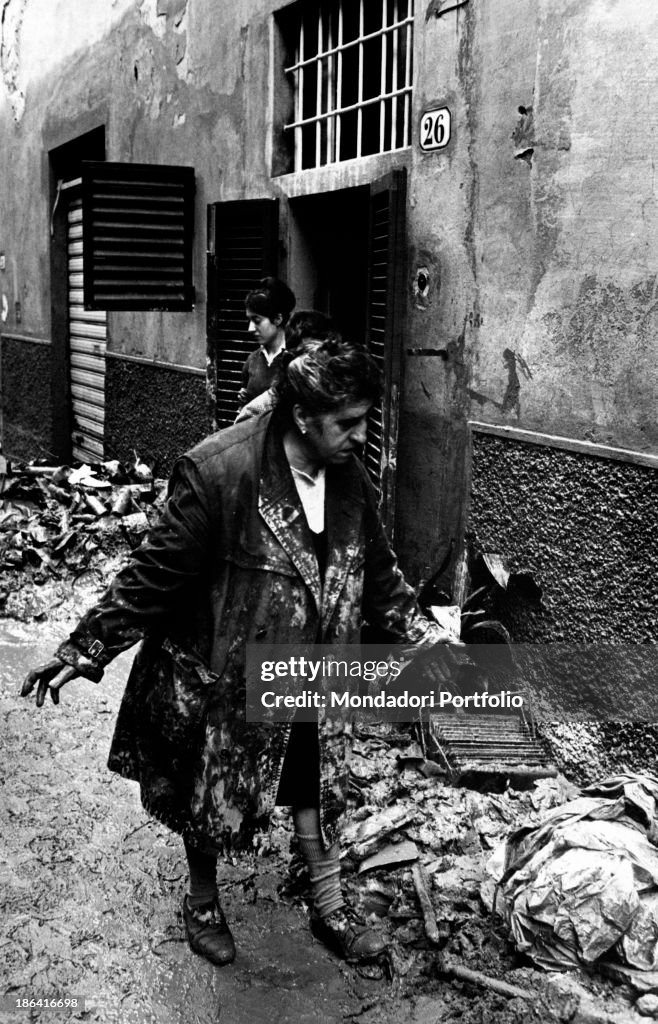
{"points": [[167, 80], [535, 235]]}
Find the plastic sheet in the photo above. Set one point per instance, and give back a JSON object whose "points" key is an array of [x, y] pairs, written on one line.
{"points": [[581, 888]]}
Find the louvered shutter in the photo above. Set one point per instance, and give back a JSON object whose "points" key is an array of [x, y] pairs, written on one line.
{"points": [[138, 225], [242, 249], [386, 276]]}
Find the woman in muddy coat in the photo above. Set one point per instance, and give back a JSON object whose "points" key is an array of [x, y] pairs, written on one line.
{"points": [[270, 535]]}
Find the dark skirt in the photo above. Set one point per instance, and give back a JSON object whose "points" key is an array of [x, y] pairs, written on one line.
{"points": [[299, 785]]}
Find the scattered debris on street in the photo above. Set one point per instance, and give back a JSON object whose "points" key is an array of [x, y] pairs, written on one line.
{"points": [[430, 805], [64, 532]]}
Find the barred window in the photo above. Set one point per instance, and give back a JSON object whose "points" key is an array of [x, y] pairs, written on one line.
{"points": [[351, 77]]}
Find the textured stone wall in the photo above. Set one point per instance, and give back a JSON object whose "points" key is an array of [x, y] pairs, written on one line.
{"points": [[156, 411], [26, 399], [586, 528]]}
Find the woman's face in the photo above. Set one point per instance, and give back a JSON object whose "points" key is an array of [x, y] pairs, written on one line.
{"points": [[266, 330], [332, 437]]}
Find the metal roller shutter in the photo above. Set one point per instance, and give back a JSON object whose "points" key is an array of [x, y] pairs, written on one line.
{"points": [[87, 342]]}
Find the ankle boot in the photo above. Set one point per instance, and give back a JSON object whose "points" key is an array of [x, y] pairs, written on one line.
{"points": [[347, 936], [208, 933]]}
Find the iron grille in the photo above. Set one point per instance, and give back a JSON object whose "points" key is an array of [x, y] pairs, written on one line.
{"points": [[351, 79]]}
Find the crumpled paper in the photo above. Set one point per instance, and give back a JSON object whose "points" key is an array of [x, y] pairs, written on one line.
{"points": [[581, 888]]}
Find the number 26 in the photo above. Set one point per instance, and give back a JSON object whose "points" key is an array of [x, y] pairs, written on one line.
{"points": [[435, 129]]}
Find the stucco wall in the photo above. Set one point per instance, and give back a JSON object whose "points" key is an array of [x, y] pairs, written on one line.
{"points": [[25, 371], [585, 528], [155, 411], [535, 232]]}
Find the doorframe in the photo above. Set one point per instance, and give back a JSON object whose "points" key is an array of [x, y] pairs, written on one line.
{"points": [[64, 164], [395, 184]]}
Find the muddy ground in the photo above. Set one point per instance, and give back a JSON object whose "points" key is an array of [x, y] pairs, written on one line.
{"points": [[92, 888]]}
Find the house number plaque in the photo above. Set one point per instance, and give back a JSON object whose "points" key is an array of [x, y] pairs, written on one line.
{"points": [[435, 129]]}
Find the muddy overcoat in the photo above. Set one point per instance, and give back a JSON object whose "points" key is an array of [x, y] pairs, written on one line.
{"points": [[232, 562]]}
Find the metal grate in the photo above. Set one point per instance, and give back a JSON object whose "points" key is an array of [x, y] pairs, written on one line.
{"points": [[475, 745], [138, 224], [352, 80]]}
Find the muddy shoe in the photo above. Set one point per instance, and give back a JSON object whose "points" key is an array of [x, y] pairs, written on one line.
{"points": [[208, 933], [344, 934]]}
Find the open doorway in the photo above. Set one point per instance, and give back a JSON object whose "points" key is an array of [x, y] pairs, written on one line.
{"points": [[328, 264]]}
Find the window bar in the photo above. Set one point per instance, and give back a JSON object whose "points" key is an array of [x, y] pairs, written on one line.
{"points": [[407, 80], [348, 110], [339, 76], [382, 81], [318, 96], [359, 112], [394, 79], [299, 132], [330, 89], [389, 30]]}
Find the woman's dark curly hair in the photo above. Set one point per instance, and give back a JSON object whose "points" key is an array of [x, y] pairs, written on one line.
{"points": [[321, 376]]}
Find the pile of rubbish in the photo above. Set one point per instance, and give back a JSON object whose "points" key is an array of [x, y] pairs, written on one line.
{"points": [[413, 855], [57, 523], [574, 886], [580, 888]]}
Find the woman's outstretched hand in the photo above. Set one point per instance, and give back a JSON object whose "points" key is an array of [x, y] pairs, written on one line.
{"points": [[51, 676]]}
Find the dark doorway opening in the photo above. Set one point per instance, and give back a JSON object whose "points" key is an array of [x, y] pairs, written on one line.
{"points": [[329, 256]]}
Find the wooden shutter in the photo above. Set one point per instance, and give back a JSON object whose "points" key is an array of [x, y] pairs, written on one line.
{"points": [[242, 248], [138, 224], [386, 277]]}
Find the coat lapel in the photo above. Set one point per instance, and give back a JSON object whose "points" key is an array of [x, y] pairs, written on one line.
{"points": [[280, 507]]}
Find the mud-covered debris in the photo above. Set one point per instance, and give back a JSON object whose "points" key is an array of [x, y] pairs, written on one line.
{"points": [[647, 1005], [58, 521], [122, 502], [456, 970], [135, 526], [378, 896], [391, 855], [95, 505], [435, 932], [363, 837]]}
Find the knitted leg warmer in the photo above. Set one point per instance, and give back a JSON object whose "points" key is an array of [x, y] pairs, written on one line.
{"points": [[323, 864]]}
